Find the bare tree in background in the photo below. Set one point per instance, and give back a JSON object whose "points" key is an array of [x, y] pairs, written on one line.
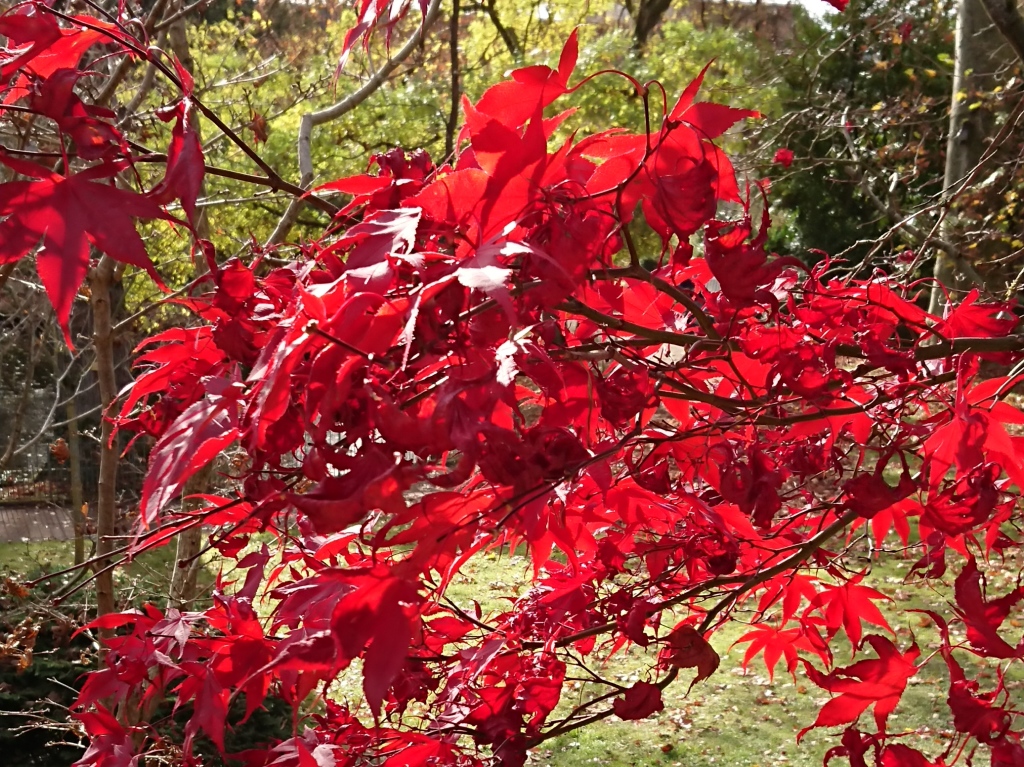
{"points": [[979, 53]]}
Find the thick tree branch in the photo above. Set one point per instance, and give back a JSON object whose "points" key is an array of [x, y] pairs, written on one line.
{"points": [[969, 127], [943, 348], [1006, 16], [507, 35], [100, 281], [647, 18], [452, 124], [312, 119]]}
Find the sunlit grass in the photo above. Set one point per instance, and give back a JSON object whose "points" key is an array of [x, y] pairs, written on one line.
{"points": [[735, 717], [145, 578], [739, 717]]}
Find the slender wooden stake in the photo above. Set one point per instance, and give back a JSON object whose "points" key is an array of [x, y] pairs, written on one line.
{"points": [[75, 465]]}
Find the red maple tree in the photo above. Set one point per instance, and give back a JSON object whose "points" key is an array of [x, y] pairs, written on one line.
{"points": [[471, 357]]}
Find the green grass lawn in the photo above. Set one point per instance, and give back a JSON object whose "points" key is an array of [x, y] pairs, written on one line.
{"points": [[739, 717], [736, 717], [145, 578]]}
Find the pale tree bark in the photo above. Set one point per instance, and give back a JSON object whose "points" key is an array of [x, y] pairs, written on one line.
{"points": [[322, 116], [979, 49]]}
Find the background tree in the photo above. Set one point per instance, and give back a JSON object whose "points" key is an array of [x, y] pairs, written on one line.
{"points": [[869, 121]]}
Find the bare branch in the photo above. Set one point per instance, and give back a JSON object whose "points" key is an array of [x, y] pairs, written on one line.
{"points": [[311, 119], [452, 124], [126, 63], [507, 35]]}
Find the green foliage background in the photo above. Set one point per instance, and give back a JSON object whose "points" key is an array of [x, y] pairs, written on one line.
{"points": [[282, 64]]}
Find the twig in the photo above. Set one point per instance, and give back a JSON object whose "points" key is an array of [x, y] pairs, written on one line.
{"points": [[118, 75], [198, 5]]}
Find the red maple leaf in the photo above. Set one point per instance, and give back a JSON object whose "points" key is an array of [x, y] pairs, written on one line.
{"points": [[45, 48], [869, 494], [775, 643], [783, 157], [847, 605], [31, 34], [984, 618], [183, 177], [377, 612], [901, 755], [639, 702], [879, 683], [372, 14], [970, 318], [55, 98], [686, 648], [110, 745], [68, 214], [1008, 752], [192, 441], [210, 701]]}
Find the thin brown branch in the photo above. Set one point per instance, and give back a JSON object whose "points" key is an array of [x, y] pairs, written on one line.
{"points": [[802, 554]]}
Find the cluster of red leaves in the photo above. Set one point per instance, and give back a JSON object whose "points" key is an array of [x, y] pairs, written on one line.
{"points": [[69, 214], [481, 362]]}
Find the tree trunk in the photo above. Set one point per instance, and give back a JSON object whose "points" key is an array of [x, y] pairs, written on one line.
{"points": [[184, 587], [507, 35], [1007, 17], [648, 16], [977, 44], [100, 280]]}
